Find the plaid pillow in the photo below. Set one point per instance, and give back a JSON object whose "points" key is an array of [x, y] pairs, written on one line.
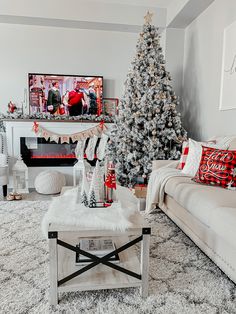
{"points": [[182, 161], [217, 167], [185, 151]]}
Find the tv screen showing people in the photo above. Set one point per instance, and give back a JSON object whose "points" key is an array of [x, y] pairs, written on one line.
{"points": [[71, 95]]}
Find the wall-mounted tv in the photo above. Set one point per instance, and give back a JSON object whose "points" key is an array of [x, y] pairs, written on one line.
{"points": [[58, 94]]}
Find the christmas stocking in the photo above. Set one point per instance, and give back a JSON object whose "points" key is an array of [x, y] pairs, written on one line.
{"points": [[79, 150], [90, 150], [102, 146]]}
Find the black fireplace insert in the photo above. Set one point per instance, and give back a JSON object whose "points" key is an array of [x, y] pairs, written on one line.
{"points": [[38, 152]]}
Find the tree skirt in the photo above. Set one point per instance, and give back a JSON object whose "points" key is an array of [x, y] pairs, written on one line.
{"points": [[182, 279]]}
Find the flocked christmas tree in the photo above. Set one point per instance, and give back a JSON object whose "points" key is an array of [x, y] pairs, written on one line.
{"points": [[84, 199], [92, 199], [148, 126]]}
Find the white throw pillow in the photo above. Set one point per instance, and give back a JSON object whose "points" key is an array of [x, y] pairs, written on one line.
{"points": [[195, 154]]}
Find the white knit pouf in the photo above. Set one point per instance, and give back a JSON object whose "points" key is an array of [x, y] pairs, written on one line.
{"points": [[49, 182]]}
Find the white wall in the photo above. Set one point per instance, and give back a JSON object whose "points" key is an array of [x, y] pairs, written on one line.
{"points": [[202, 72], [41, 49], [175, 57], [38, 49]]}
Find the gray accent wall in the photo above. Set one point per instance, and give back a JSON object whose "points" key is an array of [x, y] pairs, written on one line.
{"points": [[203, 51]]}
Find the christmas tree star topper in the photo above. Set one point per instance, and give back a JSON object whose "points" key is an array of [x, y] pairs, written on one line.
{"points": [[148, 18]]}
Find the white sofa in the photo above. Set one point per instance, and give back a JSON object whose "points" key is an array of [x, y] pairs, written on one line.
{"points": [[206, 214]]}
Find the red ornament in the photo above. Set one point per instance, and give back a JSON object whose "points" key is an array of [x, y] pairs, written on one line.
{"points": [[11, 107], [36, 127]]}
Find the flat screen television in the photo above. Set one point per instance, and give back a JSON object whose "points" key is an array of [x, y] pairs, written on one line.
{"points": [[59, 94]]}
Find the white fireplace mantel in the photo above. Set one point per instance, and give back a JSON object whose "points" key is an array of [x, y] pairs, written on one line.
{"points": [[16, 129]]}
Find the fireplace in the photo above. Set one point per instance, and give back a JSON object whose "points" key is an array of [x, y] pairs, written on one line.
{"points": [[38, 152], [19, 133]]}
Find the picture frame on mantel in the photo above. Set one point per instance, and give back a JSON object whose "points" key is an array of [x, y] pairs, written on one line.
{"points": [[228, 76], [110, 106]]}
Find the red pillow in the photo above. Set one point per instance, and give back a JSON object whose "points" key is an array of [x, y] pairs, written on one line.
{"points": [[217, 167], [182, 161]]}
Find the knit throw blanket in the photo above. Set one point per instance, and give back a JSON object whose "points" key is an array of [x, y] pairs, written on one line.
{"points": [[156, 186]]}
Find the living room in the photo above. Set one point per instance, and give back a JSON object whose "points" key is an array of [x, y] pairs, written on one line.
{"points": [[118, 156]]}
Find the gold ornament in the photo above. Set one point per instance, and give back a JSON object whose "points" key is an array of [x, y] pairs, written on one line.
{"points": [[163, 96], [148, 18], [180, 139]]}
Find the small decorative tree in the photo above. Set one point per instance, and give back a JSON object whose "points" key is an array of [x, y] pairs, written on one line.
{"points": [[148, 126], [92, 199], [84, 199], [97, 182]]}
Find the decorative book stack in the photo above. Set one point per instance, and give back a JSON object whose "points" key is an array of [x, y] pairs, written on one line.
{"points": [[98, 247]]}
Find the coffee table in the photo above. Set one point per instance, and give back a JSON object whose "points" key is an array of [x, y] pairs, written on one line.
{"points": [[132, 271]]}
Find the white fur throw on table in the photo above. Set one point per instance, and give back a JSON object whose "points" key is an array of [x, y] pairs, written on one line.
{"points": [[65, 210]]}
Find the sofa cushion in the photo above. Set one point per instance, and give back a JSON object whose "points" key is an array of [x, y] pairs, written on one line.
{"points": [[174, 182], [194, 156], [223, 222], [217, 167], [232, 144], [182, 161], [200, 200], [230, 141]]}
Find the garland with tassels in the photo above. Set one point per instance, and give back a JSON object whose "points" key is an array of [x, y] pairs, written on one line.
{"points": [[65, 138]]}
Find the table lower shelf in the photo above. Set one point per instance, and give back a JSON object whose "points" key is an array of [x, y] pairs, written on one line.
{"points": [[101, 276]]}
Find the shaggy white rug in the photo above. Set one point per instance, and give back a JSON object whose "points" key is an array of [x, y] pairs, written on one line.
{"points": [[182, 279]]}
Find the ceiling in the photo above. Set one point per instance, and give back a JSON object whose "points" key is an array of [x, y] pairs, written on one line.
{"points": [[107, 15], [143, 3]]}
